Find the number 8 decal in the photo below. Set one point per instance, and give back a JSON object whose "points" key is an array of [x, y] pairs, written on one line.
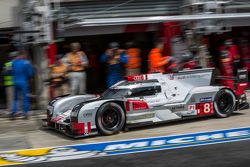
{"points": [[207, 108]]}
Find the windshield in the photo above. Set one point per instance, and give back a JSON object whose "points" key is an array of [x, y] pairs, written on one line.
{"points": [[115, 93]]}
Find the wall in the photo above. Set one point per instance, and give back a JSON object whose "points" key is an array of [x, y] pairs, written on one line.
{"points": [[8, 13]]}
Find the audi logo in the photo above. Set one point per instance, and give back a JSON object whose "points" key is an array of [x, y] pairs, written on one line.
{"points": [[138, 77]]}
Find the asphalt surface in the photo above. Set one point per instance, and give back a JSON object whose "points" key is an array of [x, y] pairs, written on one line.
{"points": [[235, 154], [26, 134], [23, 134]]}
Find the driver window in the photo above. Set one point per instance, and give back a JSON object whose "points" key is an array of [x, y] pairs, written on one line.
{"points": [[144, 91]]}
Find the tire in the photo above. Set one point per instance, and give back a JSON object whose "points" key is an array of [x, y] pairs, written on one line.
{"points": [[110, 119], [225, 103]]}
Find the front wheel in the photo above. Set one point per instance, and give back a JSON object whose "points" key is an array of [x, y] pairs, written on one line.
{"points": [[225, 103], [110, 118]]}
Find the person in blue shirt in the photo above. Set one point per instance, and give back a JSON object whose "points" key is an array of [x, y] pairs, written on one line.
{"points": [[22, 70], [115, 59]]}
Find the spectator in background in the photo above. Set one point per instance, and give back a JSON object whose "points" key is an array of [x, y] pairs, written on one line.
{"points": [[22, 70], [8, 80], [133, 66], [77, 62], [59, 77], [115, 58], [204, 56]]}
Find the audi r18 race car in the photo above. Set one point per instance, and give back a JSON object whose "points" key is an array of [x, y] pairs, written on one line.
{"points": [[147, 99]]}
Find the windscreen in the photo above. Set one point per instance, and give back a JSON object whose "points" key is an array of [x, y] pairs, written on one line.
{"points": [[115, 93]]}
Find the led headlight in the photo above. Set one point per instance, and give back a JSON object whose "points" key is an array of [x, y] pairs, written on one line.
{"points": [[76, 110], [50, 110]]}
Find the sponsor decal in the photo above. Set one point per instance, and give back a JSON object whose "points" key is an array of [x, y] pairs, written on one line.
{"points": [[171, 76], [45, 155], [205, 99], [192, 107], [178, 107], [122, 147], [87, 115], [181, 77]]}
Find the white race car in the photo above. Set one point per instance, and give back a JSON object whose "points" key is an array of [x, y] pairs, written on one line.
{"points": [[147, 99]]}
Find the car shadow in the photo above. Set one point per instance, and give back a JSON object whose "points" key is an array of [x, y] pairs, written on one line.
{"points": [[136, 128], [177, 122]]}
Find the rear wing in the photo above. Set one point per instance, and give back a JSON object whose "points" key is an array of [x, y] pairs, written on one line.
{"points": [[240, 81], [242, 76]]}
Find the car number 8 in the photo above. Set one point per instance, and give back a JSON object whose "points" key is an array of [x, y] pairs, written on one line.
{"points": [[207, 108]]}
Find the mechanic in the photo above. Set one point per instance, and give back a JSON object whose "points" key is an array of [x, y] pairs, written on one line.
{"points": [[226, 68], [234, 52], [22, 70], [157, 62], [115, 58], [133, 66], [77, 62], [205, 58], [8, 80], [59, 77]]}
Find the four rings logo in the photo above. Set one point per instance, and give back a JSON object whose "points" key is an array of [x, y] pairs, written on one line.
{"points": [[139, 77]]}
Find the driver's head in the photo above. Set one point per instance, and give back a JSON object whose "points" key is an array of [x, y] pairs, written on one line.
{"points": [[114, 45], [75, 47], [160, 45]]}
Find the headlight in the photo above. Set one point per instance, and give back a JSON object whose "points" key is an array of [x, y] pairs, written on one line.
{"points": [[50, 110], [76, 110]]}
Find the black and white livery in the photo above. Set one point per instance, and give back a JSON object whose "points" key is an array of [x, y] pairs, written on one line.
{"points": [[146, 99]]}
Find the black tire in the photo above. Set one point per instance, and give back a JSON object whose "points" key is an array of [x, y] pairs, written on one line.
{"points": [[110, 118], [225, 103]]}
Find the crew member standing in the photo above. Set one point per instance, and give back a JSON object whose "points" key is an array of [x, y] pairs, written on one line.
{"points": [[133, 66], [115, 58], [226, 68], [59, 77], [77, 63], [157, 62], [8, 80], [22, 70]]}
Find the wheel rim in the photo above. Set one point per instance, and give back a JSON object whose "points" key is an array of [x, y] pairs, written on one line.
{"points": [[110, 119], [224, 103]]}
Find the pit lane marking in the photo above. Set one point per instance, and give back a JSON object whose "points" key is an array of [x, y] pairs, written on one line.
{"points": [[122, 147]]}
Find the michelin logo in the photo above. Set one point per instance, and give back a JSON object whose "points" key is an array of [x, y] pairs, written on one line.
{"points": [[192, 140]]}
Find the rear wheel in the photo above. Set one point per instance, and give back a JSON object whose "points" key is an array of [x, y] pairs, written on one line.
{"points": [[110, 118], [225, 103]]}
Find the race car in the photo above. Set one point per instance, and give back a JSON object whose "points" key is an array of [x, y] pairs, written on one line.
{"points": [[147, 99]]}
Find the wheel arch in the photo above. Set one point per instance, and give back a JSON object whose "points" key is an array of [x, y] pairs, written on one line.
{"points": [[234, 96], [121, 103], [227, 88]]}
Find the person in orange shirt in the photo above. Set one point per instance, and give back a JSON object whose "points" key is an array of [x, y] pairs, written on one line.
{"points": [[59, 78], [133, 66], [157, 62], [77, 63]]}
